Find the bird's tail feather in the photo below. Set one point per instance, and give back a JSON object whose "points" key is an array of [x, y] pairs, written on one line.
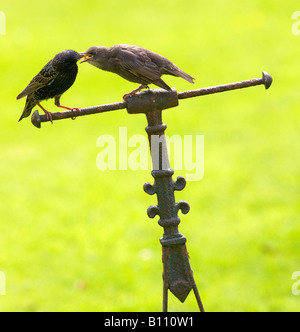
{"points": [[162, 84], [185, 76], [175, 71], [28, 108]]}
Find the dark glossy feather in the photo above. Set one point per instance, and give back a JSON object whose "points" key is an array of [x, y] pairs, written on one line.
{"points": [[53, 80]]}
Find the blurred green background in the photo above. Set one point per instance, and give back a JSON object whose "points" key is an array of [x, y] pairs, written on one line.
{"points": [[74, 238]]}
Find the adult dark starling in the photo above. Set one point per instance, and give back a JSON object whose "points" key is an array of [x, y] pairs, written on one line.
{"points": [[135, 64], [51, 82]]}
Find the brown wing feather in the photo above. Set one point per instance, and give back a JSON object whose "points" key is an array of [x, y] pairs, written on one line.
{"points": [[139, 65]]}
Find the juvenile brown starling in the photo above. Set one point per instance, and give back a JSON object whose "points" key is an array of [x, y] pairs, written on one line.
{"points": [[51, 82], [135, 64]]}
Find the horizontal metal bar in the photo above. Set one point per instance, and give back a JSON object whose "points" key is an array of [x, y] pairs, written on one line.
{"points": [[36, 118], [266, 80], [155, 97]]}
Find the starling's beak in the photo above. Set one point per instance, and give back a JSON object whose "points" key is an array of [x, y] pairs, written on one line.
{"points": [[84, 57]]}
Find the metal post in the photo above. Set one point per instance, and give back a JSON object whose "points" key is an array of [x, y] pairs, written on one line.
{"points": [[177, 273]]}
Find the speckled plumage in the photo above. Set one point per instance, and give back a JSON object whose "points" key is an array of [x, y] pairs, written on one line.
{"points": [[135, 64], [52, 81]]}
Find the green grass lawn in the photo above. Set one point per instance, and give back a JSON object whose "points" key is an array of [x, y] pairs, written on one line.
{"points": [[74, 238]]}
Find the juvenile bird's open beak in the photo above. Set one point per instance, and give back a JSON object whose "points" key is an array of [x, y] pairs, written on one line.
{"points": [[84, 57]]}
